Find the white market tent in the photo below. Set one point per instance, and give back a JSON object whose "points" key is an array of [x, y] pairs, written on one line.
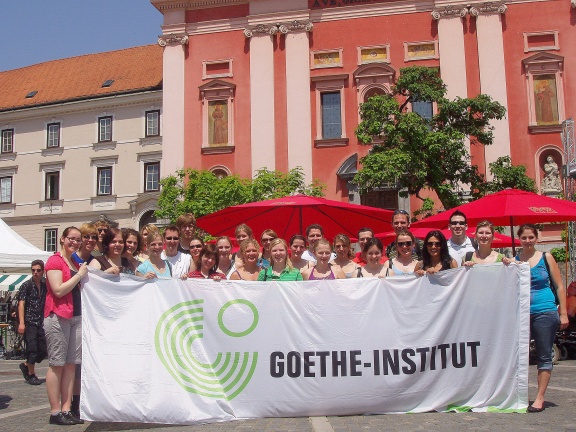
{"points": [[16, 255]]}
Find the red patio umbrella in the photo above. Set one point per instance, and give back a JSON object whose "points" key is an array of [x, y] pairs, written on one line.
{"points": [[500, 240], [510, 207], [291, 215]]}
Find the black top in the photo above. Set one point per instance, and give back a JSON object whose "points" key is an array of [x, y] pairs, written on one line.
{"points": [[34, 301]]}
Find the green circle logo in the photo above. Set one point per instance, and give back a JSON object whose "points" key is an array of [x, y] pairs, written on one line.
{"points": [[242, 333]]}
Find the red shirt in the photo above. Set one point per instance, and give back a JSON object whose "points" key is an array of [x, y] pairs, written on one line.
{"points": [[61, 306], [197, 274]]}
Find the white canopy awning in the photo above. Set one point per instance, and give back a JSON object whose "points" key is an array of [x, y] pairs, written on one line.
{"points": [[12, 282]]}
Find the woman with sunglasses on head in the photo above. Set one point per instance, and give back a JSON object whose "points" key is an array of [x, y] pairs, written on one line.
{"points": [[404, 262], [435, 256], [249, 270], [484, 254], [63, 327], [242, 232], [196, 245], [373, 250], [323, 269], [207, 269], [281, 267], [111, 261], [145, 231], [545, 318], [297, 248], [90, 237], [344, 255], [266, 237], [225, 263], [132, 243], [154, 266]]}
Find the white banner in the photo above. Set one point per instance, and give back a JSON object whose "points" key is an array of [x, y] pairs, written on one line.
{"points": [[172, 351]]}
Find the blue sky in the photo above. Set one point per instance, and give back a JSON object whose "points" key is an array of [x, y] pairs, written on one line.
{"points": [[34, 31]]}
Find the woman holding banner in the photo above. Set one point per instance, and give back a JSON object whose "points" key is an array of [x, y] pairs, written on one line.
{"points": [[344, 255], [484, 254], [323, 269], [404, 263], [435, 256], [546, 294], [249, 270], [281, 268], [373, 250]]}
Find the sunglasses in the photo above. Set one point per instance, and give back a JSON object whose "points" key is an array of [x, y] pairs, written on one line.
{"points": [[196, 247], [36, 270], [397, 212], [172, 238], [90, 237], [433, 243], [404, 243], [102, 229], [454, 223]]}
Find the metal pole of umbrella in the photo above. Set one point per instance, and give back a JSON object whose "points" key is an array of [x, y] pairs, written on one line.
{"points": [[512, 235]]}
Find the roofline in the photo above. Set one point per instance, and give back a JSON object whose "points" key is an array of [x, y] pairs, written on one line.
{"points": [[80, 99]]}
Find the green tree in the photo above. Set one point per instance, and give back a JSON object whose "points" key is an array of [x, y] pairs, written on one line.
{"points": [[202, 192], [505, 175], [418, 153]]}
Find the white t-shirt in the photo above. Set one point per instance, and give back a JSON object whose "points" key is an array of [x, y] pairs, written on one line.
{"points": [[458, 251], [180, 263]]}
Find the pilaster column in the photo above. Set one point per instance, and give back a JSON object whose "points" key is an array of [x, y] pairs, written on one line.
{"points": [[299, 115], [451, 47], [262, 119], [493, 71], [173, 101]]}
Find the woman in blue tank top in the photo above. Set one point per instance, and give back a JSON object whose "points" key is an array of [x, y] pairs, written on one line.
{"points": [[544, 317]]}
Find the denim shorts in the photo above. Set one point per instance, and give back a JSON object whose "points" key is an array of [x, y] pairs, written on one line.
{"points": [[64, 339], [543, 328]]}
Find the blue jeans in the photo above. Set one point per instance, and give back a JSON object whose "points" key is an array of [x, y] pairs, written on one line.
{"points": [[543, 328]]}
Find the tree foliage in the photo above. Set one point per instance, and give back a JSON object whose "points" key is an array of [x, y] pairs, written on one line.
{"points": [[202, 192], [505, 175], [417, 153]]}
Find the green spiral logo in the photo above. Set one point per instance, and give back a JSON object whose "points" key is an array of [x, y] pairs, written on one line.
{"points": [[225, 377]]}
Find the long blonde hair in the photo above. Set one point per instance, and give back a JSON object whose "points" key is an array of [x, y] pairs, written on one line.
{"points": [[281, 241]]}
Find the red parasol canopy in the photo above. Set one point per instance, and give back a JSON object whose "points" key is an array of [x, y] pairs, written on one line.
{"points": [[500, 240], [510, 207], [291, 215]]}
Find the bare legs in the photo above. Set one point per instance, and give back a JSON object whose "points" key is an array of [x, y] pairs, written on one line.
{"points": [[59, 382], [543, 380]]}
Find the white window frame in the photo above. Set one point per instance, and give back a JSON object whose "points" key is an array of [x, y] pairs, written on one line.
{"points": [[330, 84], [107, 135], [103, 162], [145, 159], [206, 75], [53, 138], [555, 47], [7, 135], [147, 123], [48, 168], [10, 199], [51, 237]]}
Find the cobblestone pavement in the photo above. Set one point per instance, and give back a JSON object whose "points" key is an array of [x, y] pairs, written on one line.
{"points": [[25, 408]]}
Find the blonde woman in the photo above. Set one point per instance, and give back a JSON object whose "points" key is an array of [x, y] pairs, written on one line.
{"points": [[344, 255], [281, 267], [249, 250]]}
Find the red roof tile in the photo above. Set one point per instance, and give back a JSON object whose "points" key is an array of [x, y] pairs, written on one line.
{"points": [[74, 78]]}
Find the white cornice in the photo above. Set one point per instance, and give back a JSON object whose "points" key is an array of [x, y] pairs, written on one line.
{"points": [[101, 103], [167, 5]]}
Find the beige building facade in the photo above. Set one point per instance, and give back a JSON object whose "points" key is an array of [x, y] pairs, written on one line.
{"points": [[88, 147]]}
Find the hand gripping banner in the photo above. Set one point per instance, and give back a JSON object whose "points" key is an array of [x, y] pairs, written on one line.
{"points": [[182, 352]]}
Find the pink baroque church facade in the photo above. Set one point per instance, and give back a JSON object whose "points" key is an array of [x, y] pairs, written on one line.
{"points": [[277, 84]]}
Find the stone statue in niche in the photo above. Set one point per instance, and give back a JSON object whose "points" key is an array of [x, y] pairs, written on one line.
{"points": [[551, 182]]}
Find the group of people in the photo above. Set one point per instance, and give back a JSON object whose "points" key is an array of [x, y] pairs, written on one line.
{"points": [[53, 308]]}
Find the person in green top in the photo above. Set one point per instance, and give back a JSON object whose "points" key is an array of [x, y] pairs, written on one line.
{"points": [[484, 254], [281, 268]]}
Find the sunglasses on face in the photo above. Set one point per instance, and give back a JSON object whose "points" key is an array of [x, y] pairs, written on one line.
{"points": [[461, 223], [404, 243], [195, 246], [102, 230], [90, 237], [172, 238], [433, 243], [36, 270]]}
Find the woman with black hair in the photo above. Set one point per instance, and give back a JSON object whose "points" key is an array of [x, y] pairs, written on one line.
{"points": [[209, 258], [111, 261], [435, 256]]}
